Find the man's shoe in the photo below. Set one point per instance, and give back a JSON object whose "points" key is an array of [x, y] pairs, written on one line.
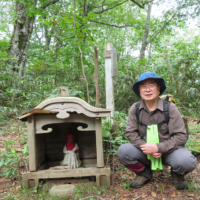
{"points": [[180, 182], [143, 178], [139, 181]]}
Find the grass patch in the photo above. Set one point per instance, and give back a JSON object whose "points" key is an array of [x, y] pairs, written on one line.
{"points": [[42, 192], [193, 143], [35, 193], [192, 185], [194, 129], [85, 190]]}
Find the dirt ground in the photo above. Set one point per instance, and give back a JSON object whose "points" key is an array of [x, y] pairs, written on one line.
{"points": [[161, 187]]}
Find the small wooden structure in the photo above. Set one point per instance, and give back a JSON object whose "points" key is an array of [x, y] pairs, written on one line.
{"points": [[48, 125]]}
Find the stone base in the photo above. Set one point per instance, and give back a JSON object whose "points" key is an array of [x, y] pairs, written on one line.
{"points": [[62, 190]]}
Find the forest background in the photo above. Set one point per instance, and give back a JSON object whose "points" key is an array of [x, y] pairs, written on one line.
{"points": [[45, 44], [40, 43]]}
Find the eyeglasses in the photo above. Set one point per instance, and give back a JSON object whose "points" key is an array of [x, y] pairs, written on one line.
{"points": [[150, 86]]}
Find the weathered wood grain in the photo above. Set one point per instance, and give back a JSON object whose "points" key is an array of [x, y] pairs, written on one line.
{"points": [[32, 144], [83, 172], [99, 143], [40, 149]]}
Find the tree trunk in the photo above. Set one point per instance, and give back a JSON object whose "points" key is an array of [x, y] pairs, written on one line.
{"points": [[96, 75], [146, 32], [47, 36], [20, 40], [149, 57]]}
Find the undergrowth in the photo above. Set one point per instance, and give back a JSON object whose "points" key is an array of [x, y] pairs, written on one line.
{"points": [[85, 190], [112, 140], [193, 143]]}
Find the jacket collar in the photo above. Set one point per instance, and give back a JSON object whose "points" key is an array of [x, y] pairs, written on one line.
{"points": [[159, 105]]}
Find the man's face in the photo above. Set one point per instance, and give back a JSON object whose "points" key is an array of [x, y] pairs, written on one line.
{"points": [[149, 90]]}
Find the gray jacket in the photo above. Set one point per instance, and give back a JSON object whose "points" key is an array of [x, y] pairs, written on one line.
{"points": [[171, 136]]}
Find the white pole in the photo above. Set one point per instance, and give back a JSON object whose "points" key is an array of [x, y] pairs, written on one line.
{"points": [[110, 69]]}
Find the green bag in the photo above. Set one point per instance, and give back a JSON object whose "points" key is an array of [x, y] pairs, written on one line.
{"points": [[152, 136]]}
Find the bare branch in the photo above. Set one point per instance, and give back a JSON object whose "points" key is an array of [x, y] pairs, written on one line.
{"points": [[50, 3], [37, 36], [146, 3], [100, 5], [88, 6], [140, 5], [159, 31], [92, 1], [103, 23], [99, 12]]}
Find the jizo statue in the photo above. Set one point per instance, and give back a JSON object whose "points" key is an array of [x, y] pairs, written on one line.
{"points": [[71, 153]]}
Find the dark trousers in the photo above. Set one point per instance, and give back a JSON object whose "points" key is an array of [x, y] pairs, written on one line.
{"points": [[181, 160]]}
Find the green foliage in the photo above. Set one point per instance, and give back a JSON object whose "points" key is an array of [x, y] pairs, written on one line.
{"points": [[116, 196], [58, 62], [193, 143], [121, 168], [10, 156], [4, 44], [37, 192], [9, 160], [193, 185], [174, 56], [177, 60], [10, 196], [161, 188], [112, 141], [84, 190], [126, 185]]}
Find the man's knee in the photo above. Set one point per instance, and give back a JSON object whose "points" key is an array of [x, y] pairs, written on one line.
{"points": [[184, 160], [122, 151], [187, 163]]}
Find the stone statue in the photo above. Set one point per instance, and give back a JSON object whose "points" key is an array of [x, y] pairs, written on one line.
{"points": [[71, 153]]}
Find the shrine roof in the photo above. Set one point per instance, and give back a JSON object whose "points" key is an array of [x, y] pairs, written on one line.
{"points": [[49, 107]]}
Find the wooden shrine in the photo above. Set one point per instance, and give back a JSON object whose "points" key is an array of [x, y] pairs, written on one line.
{"points": [[49, 123]]}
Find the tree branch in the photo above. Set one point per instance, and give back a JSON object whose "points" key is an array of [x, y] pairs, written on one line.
{"points": [[140, 5], [100, 5], [99, 12], [50, 3], [39, 38], [84, 77], [103, 23], [146, 31], [158, 32], [88, 6]]}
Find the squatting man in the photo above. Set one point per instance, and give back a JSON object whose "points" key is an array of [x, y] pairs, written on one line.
{"points": [[172, 135]]}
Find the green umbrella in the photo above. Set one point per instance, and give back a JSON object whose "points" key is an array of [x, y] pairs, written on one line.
{"points": [[152, 136]]}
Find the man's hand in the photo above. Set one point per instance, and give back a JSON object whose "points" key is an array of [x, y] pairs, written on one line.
{"points": [[149, 148], [156, 155]]}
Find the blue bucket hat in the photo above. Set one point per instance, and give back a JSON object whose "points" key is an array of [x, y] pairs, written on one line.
{"points": [[149, 75]]}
